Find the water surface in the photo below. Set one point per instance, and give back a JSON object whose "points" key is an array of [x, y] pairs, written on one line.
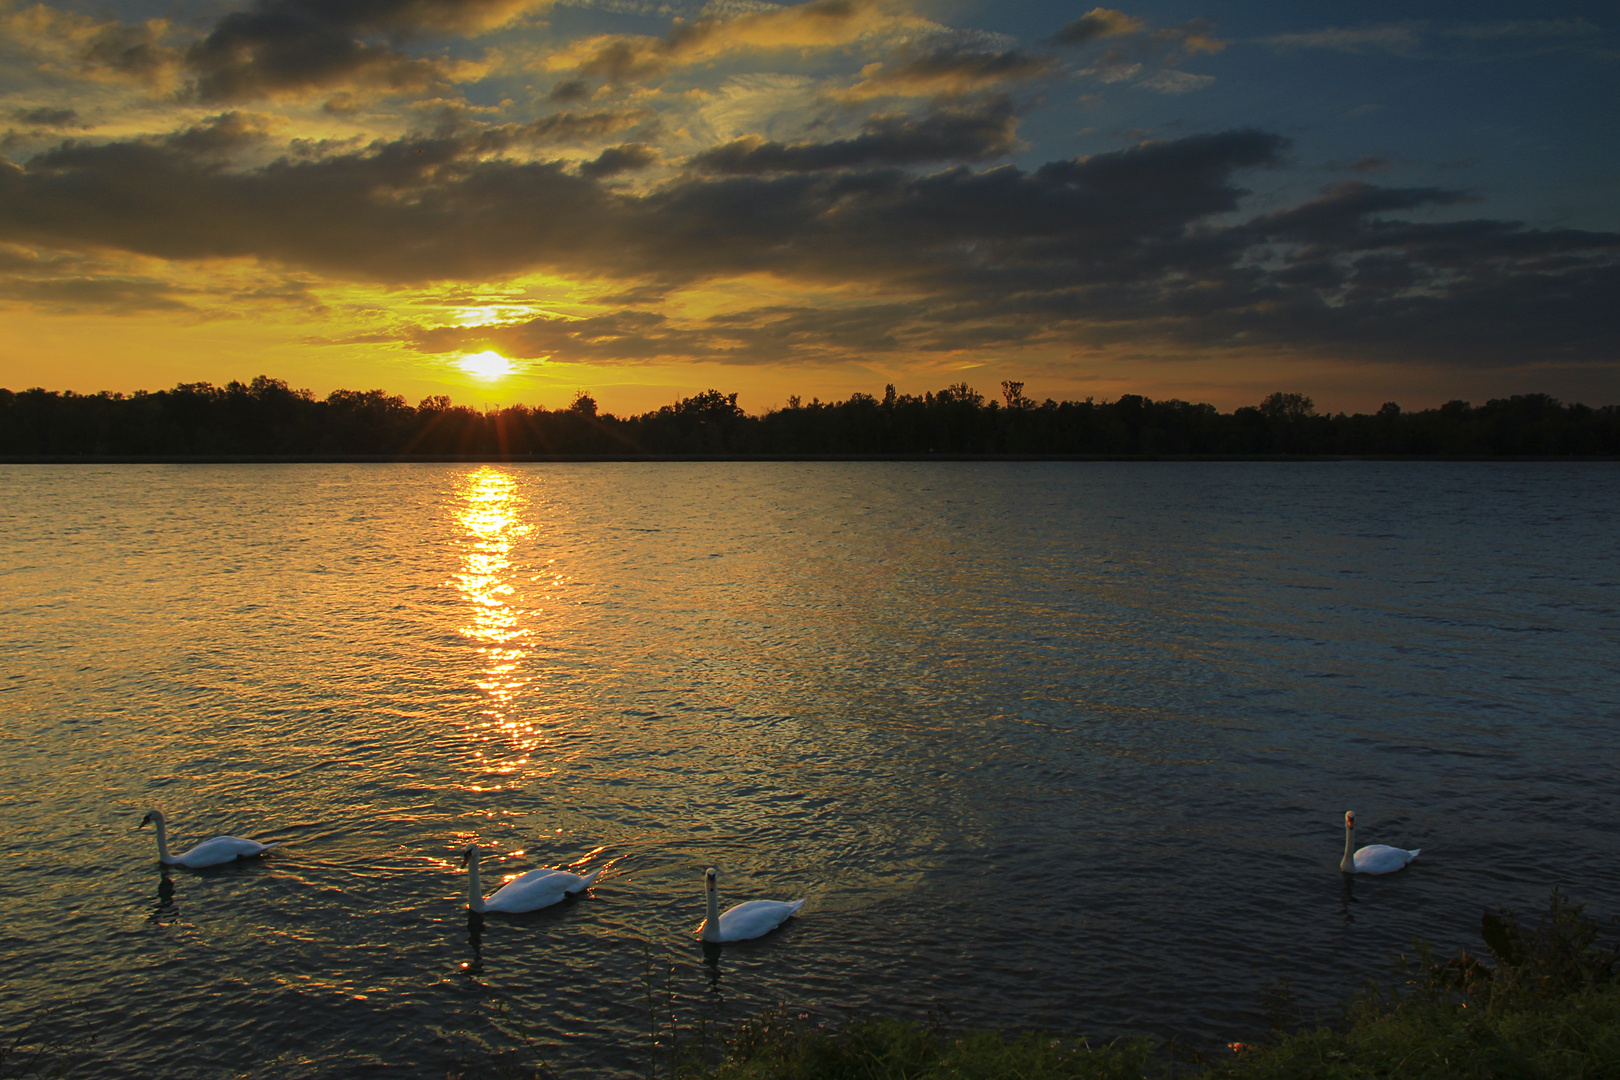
{"points": [[1060, 744]]}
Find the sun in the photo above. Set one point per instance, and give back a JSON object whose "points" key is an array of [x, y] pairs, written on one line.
{"points": [[485, 365]]}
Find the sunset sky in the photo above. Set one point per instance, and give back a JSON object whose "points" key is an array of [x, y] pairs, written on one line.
{"points": [[510, 200]]}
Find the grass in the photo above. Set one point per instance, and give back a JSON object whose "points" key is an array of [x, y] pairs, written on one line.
{"points": [[46, 1045], [1548, 1008]]}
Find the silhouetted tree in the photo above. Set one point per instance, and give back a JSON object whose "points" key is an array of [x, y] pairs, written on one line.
{"points": [[267, 417]]}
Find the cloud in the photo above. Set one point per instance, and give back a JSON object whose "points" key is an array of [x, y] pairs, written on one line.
{"points": [[1523, 29], [70, 284], [1366, 165], [569, 90], [567, 128], [821, 24], [450, 214], [271, 47], [1146, 244], [1398, 38], [988, 129], [1097, 24], [102, 294], [620, 159], [46, 118], [1193, 36], [948, 69], [61, 42], [292, 46], [1170, 81], [1414, 37], [1136, 46], [762, 335], [1100, 24], [221, 135]]}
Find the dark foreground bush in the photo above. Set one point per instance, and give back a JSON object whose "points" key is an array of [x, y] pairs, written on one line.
{"points": [[1548, 1009]]}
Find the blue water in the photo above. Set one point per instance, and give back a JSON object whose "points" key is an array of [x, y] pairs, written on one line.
{"points": [[1060, 744]]}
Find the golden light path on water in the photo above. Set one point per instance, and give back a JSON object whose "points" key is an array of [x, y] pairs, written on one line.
{"points": [[488, 511]]}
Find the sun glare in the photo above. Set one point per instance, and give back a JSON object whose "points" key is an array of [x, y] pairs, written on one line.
{"points": [[485, 365]]}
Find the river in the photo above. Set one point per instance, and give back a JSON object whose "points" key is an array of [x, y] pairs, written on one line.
{"points": [[1041, 744]]}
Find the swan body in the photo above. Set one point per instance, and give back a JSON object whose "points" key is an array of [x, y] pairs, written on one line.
{"points": [[532, 891], [748, 920], [221, 849], [1374, 858]]}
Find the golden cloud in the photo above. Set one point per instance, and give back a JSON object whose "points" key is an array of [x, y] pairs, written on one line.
{"points": [[823, 24]]}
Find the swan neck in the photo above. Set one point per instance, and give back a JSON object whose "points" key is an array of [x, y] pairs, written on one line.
{"points": [[475, 891], [1348, 863], [163, 841], [711, 924]]}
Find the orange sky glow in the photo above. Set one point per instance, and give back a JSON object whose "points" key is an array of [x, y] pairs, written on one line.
{"points": [[510, 201]]}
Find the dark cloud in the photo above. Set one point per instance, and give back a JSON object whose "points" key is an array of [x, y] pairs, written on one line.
{"points": [[1143, 244], [415, 209], [218, 135], [985, 130], [134, 51], [1338, 217], [620, 159], [570, 90], [293, 45], [46, 118]]}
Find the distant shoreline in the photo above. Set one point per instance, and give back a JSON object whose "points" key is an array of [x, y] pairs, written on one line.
{"points": [[563, 459]]}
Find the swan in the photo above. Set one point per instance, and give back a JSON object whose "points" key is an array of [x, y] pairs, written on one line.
{"points": [[531, 892], [1374, 858], [221, 849], [751, 919]]}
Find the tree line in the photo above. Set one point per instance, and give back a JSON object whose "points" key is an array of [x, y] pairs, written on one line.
{"points": [[266, 417]]}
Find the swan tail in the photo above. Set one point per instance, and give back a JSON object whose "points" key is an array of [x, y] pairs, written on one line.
{"points": [[267, 847], [1414, 854], [585, 882], [794, 906]]}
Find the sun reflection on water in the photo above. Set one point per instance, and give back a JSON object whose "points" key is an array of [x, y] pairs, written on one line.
{"points": [[489, 512]]}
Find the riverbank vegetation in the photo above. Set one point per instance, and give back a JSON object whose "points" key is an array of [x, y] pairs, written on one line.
{"points": [[1543, 1004], [267, 418]]}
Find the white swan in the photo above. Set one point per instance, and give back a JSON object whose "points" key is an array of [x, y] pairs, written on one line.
{"points": [[1374, 858], [752, 919], [221, 849], [531, 892]]}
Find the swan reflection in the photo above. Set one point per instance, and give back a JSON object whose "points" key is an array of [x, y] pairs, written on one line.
{"points": [[712, 952], [1347, 896], [475, 940], [166, 910], [488, 511]]}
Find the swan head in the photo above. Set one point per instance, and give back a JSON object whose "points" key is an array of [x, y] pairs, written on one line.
{"points": [[151, 816], [710, 876], [469, 853], [1349, 819]]}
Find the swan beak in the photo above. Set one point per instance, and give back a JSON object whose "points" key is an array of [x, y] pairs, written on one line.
{"points": [[466, 857], [145, 820]]}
